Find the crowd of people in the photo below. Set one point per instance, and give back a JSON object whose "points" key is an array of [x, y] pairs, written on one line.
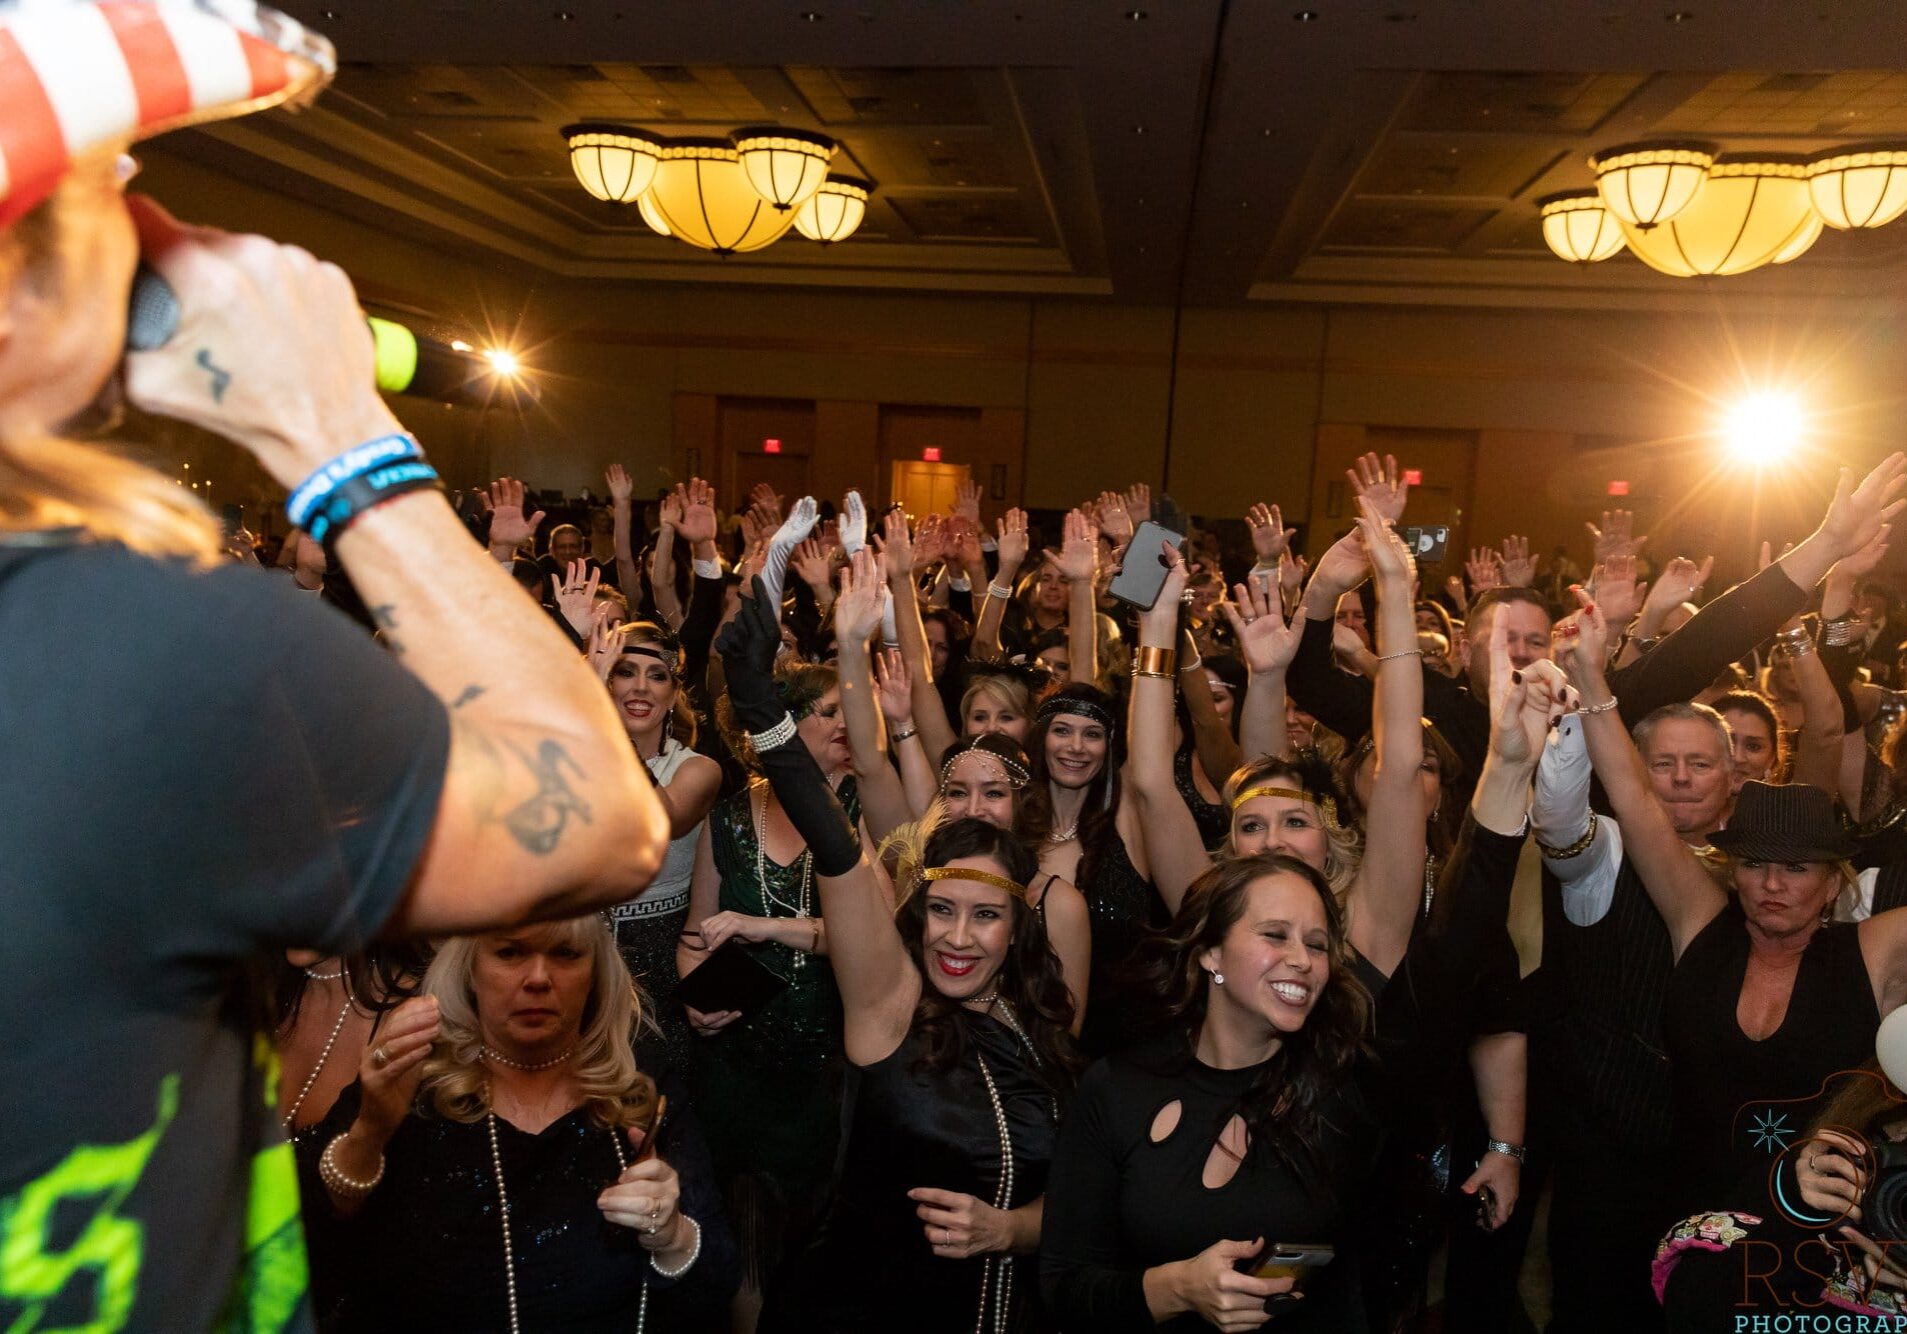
{"points": [[803, 917], [1084, 965]]}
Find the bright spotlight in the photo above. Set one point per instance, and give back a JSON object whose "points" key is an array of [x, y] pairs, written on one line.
{"points": [[1763, 428], [502, 361]]}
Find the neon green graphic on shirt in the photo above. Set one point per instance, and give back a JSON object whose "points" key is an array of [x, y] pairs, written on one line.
{"points": [[109, 1247], [270, 1288]]}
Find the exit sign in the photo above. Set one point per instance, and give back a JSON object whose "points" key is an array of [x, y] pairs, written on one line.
{"points": [[1413, 477], [1618, 488], [931, 454], [771, 446]]}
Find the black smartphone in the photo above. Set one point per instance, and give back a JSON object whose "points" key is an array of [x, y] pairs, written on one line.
{"points": [[1428, 544], [1143, 574], [1291, 1260]]}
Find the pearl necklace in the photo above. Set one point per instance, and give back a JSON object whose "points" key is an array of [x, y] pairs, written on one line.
{"points": [[501, 1059], [996, 1272], [324, 977], [503, 1214], [1066, 835], [323, 1056], [803, 907]]}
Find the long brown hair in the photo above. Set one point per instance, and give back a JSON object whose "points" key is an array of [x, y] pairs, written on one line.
{"points": [[1284, 1109]]}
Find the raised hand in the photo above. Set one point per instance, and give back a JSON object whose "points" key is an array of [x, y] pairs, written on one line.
{"points": [[576, 595], [1344, 565], [673, 505], [1139, 502], [1114, 519], [852, 527], [1291, 572], [1680, 580], [1858, 512], [1161, 619], [605, 646], [930, 541], [1485, 570], [1011, 539], [857, 610], [895, 686], [1616, 536], [1518, 566], [1522, 703], [1855, 567], [897, 544], [792, 533], [620, 487], [1270, 539], [1389, 554], [1266, 641], [1078, 556], [696, 524], [768, 500], [508, 526], [810, 564], [1382, 483], [963, 544], [967, 501], [1582, 646]]}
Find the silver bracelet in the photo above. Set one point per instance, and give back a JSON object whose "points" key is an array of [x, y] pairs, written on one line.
{"points": [[695, 1253], [899, 737], [1508, 1150], [1401, 653], [779, 735], [1000, 591], [1842, 631], [1603, 707]]}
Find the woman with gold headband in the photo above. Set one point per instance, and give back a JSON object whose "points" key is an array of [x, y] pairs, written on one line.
{"points": [[983, 777], [956, 1039], [1281, 806]]}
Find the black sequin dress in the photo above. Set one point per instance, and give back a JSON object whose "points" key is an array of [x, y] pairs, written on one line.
{"points": [[908, 1127], [1121, 907], [425, 1251], [768, 1087], [1211, 817]]}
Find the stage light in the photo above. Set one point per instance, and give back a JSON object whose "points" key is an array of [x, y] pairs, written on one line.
{"points": [[1763, 428], [502, 361]]}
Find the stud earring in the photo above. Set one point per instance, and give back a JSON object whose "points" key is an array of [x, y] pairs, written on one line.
{"points": [[1218, 979]]}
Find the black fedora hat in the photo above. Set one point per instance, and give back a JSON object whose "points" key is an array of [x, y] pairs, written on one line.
{"points": [[1784, 822]]}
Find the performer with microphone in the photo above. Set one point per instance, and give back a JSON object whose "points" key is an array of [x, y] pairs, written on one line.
{"points": [[195, 765]]}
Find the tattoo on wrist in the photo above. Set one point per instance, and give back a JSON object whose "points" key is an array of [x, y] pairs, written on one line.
{"points": [[470, 692]]}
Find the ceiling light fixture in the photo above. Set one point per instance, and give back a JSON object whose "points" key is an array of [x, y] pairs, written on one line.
{"points": [[784, 166], [1863, 188], [706, 198], [646, 206], [835, 211], [1647, 184], [1577, 227], [614, 163], [1750, 209]]}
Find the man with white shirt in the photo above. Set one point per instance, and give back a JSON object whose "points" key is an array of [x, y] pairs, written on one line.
{"points": [[1603, 1068]]}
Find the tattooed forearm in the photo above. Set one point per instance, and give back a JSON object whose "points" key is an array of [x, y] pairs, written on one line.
{"points": [[470, 692], [539, 820], [384, 616]]}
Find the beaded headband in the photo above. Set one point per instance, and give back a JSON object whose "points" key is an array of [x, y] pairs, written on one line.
{"points": [[1085, 708], [1016, 776], [1328, 806], [1012, 887]]}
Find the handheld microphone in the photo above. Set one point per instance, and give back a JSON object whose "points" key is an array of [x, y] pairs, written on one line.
{"points": [[407, 363]]}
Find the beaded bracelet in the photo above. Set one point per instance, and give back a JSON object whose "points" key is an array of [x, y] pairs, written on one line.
{"points": [[695, 1253], [779, 735], [1603, 707], [1000, 591], [310, 495], [1401, 653], [329, 1173]]}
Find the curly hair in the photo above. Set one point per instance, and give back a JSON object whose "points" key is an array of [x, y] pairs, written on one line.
{"points": [[1029, 981], [457, 1087], [1284, 1109], [1308, 772], [799, 684]]}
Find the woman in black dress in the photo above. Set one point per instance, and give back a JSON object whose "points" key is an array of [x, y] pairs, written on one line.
{"points": [[1768, 996], [956, 1040], [493, 1149]]}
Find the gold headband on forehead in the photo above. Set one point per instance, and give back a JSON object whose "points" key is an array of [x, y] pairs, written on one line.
{"points": [[1012, 887], [1328, 806]]}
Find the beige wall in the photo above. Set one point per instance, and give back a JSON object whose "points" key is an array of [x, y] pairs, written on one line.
{"points": [[1557, 403]]}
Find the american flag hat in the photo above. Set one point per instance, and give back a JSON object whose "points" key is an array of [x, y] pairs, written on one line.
{"points": [[82, 74]]}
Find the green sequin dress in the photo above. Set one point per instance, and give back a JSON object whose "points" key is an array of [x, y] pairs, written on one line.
{"points": [[768, 1087]]}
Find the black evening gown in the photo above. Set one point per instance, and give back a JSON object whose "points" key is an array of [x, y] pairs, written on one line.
{"points": [[905, 1127]]}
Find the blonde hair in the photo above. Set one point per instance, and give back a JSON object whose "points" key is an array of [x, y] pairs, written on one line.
{"points": [[47, 482], [1007, 691], [1343, 839], [457, 1087]]}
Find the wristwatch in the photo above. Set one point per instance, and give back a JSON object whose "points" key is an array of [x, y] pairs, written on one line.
{"points": [[1507, 1149]]}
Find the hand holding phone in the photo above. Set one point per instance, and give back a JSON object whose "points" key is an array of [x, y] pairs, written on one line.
{"points": [[1143, 574]]}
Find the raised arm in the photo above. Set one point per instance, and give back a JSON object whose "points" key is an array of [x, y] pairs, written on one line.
{"points": [[1011, 549], [662, 561], [1390, 880], [1267, 645], [857, 615], [878, 981], [1339, 700], [621, 493], [1213, 741], [894, 685], [930, 715], [1817, 751], [1678, 884], [1175, 852], [1078, 561]]}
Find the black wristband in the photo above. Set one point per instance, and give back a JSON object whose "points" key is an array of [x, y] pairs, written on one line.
{"points": [[354, 497]]}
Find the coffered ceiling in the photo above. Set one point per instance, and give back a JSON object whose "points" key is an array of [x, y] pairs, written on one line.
{"points": [[1142, 150]]}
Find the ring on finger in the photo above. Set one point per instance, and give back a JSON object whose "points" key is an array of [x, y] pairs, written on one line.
{"points": [[379, 1057]]}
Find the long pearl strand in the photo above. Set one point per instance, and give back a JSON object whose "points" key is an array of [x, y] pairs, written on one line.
{"points": [[503, 1214], [996, 1272], [324, 1055]]}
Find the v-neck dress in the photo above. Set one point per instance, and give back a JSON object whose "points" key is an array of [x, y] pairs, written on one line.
{"points": [[1739, 1102]]}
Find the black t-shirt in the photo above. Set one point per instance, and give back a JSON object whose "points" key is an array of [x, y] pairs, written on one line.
{"points": [[194, 768]]}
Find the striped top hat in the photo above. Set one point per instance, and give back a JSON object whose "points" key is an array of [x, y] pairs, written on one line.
{"points": [[82, 74]]}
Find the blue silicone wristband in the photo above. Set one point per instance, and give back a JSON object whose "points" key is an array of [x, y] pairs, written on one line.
{"points": [[355, 495], [312, 493]]}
